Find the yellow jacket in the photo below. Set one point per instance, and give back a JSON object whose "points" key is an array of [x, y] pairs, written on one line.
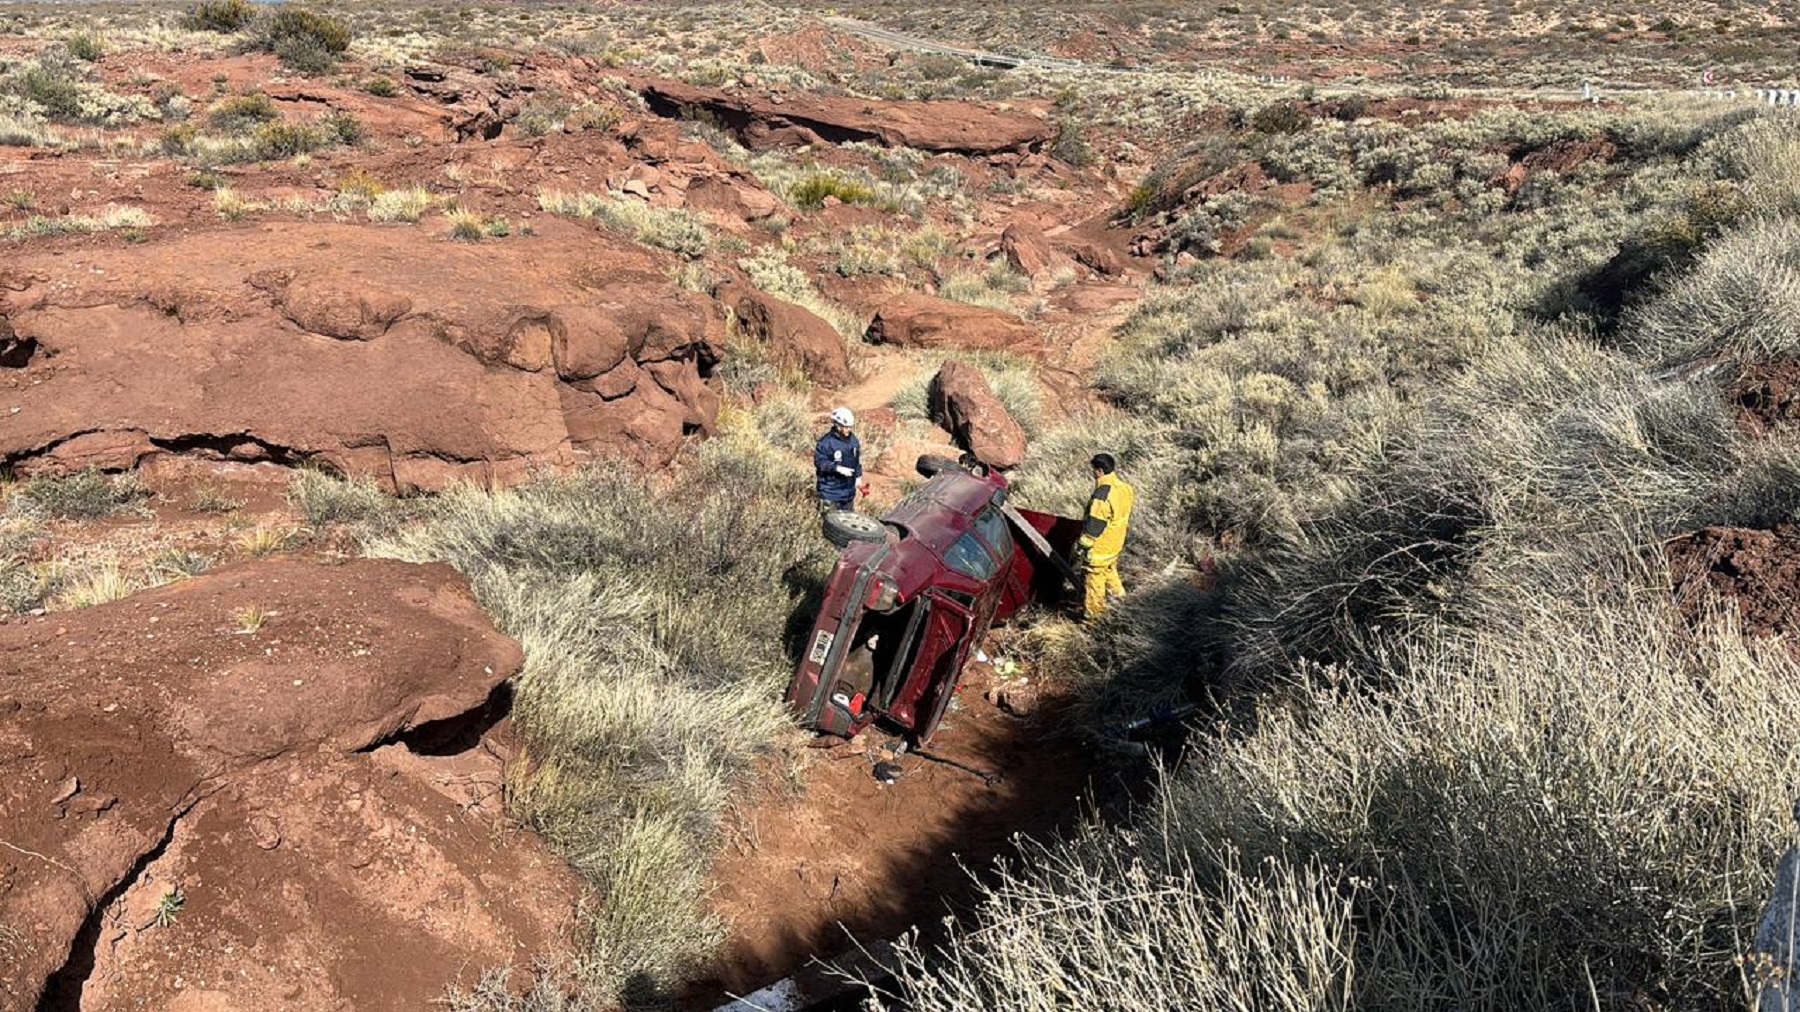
{"points": [[1108, 518]]}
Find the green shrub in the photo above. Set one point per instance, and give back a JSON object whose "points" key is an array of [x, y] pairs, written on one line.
{"points": [[810, 191], [242, 113], [281, 139], [85, 46], [52, 87], [304, 53], [291, 22], [220, 15], [1280, 118], [381, 87], [304, 40]]}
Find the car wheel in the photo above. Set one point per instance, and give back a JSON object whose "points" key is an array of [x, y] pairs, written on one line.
{"points": [[843, 527], [931, 465]]}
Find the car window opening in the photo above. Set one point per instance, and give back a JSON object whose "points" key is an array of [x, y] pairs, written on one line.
{"points": [[883, 650]]}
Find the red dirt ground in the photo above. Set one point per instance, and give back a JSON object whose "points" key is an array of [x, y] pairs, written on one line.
{"points": [[1768, 396], [855, 859], [1757, 570]]}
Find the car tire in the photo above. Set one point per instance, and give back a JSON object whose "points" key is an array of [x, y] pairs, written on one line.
{"points": [[846, 527], [931, 465]]}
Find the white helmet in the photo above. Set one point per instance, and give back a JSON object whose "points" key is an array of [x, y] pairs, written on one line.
{"points": [[843, 417]]}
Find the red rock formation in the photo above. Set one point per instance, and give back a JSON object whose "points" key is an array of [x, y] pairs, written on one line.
{"points": [[965, 405]]}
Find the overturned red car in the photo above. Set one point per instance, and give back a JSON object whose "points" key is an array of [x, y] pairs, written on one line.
{"points": [[914, 592]]}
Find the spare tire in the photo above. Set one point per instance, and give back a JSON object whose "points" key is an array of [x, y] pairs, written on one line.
{"points": [[844, 527], [931, 465]]}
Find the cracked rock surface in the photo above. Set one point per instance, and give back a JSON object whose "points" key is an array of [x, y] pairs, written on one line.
{"points": [[391, 353], [259, 788]]}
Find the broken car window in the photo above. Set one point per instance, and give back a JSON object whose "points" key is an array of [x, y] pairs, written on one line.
{"points": [[970, 557]]}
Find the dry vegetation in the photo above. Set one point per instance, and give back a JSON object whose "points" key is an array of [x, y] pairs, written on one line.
{"points": [[1473, 755]]}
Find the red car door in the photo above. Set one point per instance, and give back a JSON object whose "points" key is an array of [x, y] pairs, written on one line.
{"points": [[947, 641]]}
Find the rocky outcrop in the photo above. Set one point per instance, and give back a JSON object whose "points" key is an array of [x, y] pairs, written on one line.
{"points": [[221, 739], [793, 336], [964, 404], [1027, 252], [795, 119], [418, 362], [913, 320]]}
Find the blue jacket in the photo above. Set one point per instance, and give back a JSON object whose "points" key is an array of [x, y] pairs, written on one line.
{"points": [[832, 452]]}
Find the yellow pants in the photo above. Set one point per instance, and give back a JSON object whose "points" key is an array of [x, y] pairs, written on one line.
{"points": [[1102, 582]]}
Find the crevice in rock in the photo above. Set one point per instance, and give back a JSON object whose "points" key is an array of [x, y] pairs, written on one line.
{"points": [[62, 991], [455, 734], [232, 446], [739, 121], [15, 353]]}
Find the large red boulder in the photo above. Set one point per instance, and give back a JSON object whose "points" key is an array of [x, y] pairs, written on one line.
{"points": [[965, 405], [239, 739], [793, 335], [386, 352], [1029, 253], [915, 320]]}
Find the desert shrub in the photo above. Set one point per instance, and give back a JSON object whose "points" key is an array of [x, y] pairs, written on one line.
{"points": [[323, 498], [1071, 144], [344, 128], [1741, 301], [674, 229], [405, 204], [1459, 700], [304, 53], [220, 15], [304, 40], [1280, 118], [991, 287], [381, 87], [85, 46], [1764, 153], [242, 113], [281, 139], [654, 661], [52, 88], [1570, 817], [810, 191], [466, 225], [90, 495], [234, 206]]}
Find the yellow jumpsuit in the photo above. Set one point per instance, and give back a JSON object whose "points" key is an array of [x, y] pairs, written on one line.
{"points": [[1103, 537]]}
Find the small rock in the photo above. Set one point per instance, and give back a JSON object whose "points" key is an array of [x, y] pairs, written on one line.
{"points": [[264, 832], [70, 788]]}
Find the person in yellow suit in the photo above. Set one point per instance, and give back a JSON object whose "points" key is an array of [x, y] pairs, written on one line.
{"points": [[1103, 535]]}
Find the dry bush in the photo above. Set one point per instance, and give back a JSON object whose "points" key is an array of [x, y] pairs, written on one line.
{"points": [[652, 613], [1581, 815], [1459, 699], [90, 495], [1741, 301], [674, 229]]}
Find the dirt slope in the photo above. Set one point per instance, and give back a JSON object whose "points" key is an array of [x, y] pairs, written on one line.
{"points": [[157, 745]]}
